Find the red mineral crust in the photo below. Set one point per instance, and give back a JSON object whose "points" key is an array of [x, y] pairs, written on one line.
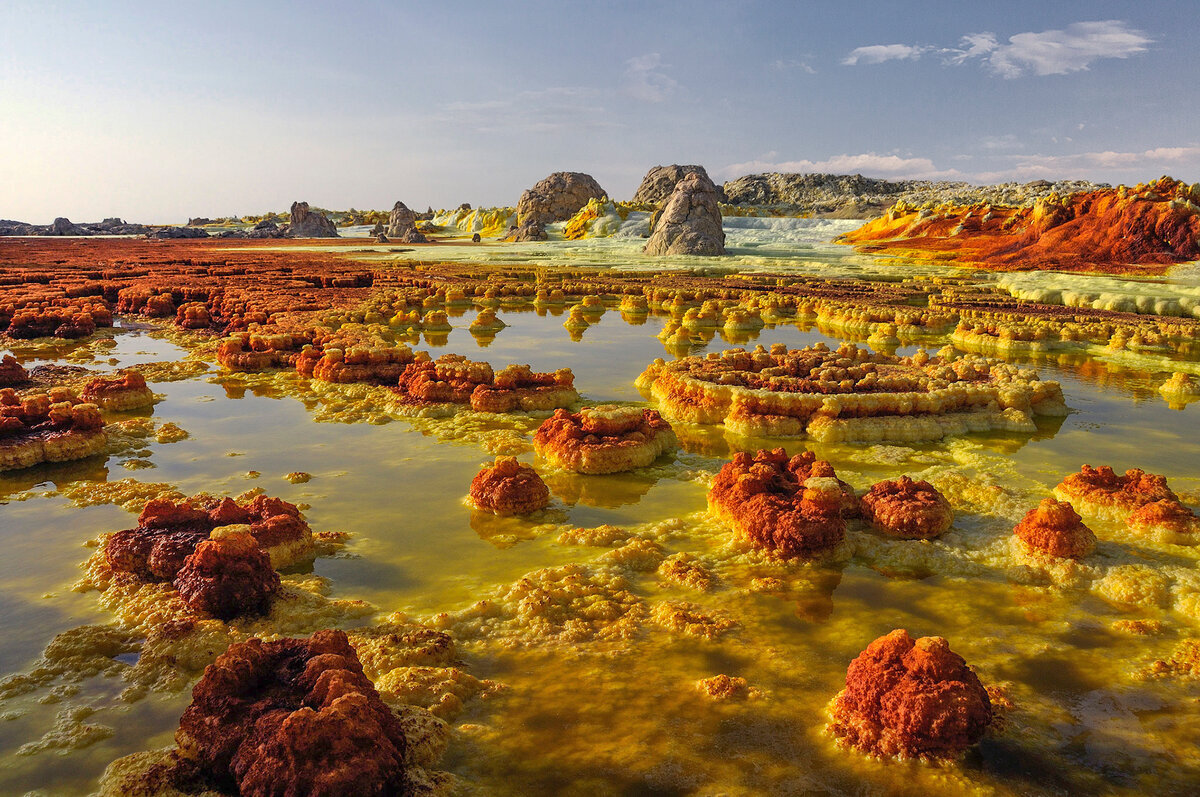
{"points": [[792, 507], [907, 509], [12, 372], [454, 379], [1167, 521], [910, 699], [167, 533], [228, 576], [54, 427], [124, 392], [603, 439], [1054, 528], [1102, 492], [509, 488], [1112, 230], [290, 717]]}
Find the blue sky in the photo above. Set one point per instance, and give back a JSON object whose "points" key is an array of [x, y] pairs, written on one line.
{"points": [[160, 111]]}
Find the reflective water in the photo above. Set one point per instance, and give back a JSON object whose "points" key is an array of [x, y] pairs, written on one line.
{"points": [[627, 717]]}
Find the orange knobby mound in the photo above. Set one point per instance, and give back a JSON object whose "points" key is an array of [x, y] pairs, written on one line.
{"points": [[1111, 230], [12, 372], [453, 379], [1101, 492], [292, 716], [126, 391], [1166, 521], [1055, 529], [604, 439], [509, 488], [47, 427], [907, 509], [792, 507], [228, 576], [910, 699]]}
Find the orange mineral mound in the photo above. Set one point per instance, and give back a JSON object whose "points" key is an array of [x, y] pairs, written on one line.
{"points": [[1112, 230], [126, 391], [292, 716], [910, 699], [791, 507], [907, 509], [1166, 521], [509, 488], [604, 439], [1054, 528], [1104, 494], [47, 427]]}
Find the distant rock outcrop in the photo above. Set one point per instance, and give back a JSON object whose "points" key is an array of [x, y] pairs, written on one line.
{"points": [[308, 224], [557, 198], [660, 181], [852, 196], [63, 226], [690, 222], [178, 232], [402, 225], [1139, 230], [527, 231]]}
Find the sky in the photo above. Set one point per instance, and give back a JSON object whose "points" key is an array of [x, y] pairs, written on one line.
{"points": [[157, 112]]}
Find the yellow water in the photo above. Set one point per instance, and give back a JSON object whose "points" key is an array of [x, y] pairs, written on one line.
{"points": [[626, 717]]}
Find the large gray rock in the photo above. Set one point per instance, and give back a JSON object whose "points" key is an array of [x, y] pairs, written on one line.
{"points": [[178, 232], [63, 226], [660, 181], [304, 223], [557, 198], [690, 222], [402, 225], [527, 231]]}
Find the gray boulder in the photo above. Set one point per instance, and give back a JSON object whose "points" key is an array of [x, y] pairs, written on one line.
{"points": [[528, 230], [402, 225], [690, 222], [178, 232], [304, 223], [557, 198], [660, 181], [63, 226]]}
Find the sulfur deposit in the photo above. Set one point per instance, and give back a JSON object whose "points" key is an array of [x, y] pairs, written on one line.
{"points": [[850, 394], [47, 427], [907, 509], [509, 488], [909, 698], [790, 507], [1159, 224], [604, 439], [1055, 529]]}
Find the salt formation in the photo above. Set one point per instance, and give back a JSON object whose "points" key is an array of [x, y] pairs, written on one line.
{"points": [[402, 225], [659, 183], [1055, 529], [690, 222], [910, 510], [556, 198], [509, 488], [910, 699], [304, 223], [850, 394], [127, 391], [790, 507], [604, 439], [47, 427]]}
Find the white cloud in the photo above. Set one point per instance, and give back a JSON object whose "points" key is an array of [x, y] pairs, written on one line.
{"points": [[1082, 164], [645, 79], [878, 53], [1058, 52], [868, 163], [1050, 52], [788, 64]]}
